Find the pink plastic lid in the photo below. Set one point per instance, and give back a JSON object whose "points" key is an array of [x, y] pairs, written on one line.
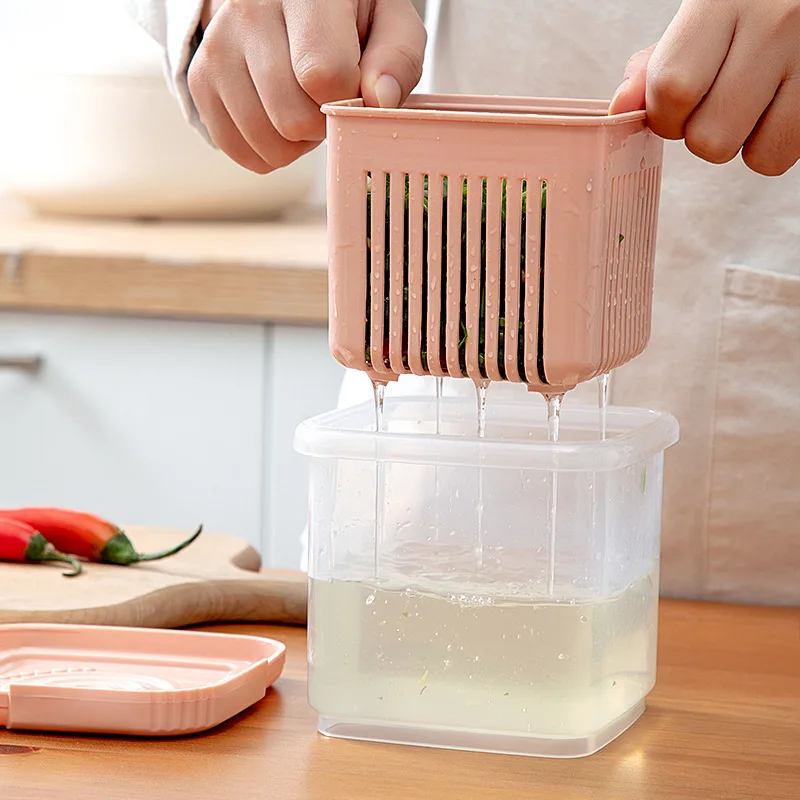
{"points": [[131, 681]]}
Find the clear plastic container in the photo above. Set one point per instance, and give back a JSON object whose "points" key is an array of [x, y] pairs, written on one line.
{"points": [[495, 594]]}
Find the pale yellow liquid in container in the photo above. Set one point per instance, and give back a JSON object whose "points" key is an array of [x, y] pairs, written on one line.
{"points": [[477, 662]]}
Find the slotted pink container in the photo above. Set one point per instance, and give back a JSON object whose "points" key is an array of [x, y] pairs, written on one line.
{"points": [[551, 287]]}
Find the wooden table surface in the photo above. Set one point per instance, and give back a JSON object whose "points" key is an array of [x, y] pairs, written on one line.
{"points": [[723, 723], [237, 271]]}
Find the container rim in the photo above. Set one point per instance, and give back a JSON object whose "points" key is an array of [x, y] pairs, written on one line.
{"points": [[637, 435], [491, 108]]}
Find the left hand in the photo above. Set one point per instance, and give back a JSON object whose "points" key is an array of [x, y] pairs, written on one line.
{"points": [[726, 78]]}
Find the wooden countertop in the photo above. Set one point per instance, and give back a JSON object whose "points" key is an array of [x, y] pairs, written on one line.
{"points": [[722, 722], [257, 272]]}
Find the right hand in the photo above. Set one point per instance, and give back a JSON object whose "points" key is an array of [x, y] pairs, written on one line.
{"points": [[265, 67]]}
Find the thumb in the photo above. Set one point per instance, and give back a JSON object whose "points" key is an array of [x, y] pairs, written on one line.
{"points": [[391, 64], [630, 96], [210, 8]]}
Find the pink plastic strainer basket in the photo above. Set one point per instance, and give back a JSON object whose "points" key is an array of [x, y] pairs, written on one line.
{"points": [[491, 238]]}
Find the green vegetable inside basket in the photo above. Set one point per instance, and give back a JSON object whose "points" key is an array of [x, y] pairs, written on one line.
{"points": [[444, 227]]}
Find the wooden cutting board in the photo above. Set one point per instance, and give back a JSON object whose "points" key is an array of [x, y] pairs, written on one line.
{"points": [[216, 579]]}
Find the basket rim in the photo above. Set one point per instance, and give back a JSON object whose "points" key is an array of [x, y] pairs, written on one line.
{"points": [[491, 108]]}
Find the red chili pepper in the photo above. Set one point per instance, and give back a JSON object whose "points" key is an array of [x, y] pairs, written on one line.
{"points": [[88, 535], [21, 542]]}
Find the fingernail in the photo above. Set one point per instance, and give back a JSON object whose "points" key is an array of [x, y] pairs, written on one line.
{"points": [[618, 92], [388, 92]]}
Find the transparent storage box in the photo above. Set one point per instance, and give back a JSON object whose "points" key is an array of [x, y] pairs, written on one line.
{"points": [[495, 594]]}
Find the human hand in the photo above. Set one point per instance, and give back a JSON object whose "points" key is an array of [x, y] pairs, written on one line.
{"points": [[726, 78], [265, 67]]}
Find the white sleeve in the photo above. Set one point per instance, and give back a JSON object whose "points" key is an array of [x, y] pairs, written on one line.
{"points": [[174, 25]]}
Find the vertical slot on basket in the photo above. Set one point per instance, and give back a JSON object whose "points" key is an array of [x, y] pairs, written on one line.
{"points": [[501, 322], [534, 203], [628, 228], [462, 342], [426, 277], [639, 310], [646, 292], [652, 225], [442, 257], [387, 239], [406, 252], [542, 202], [484, 310], [512, 283], [523, 279], [368, 297], [638, 266]]}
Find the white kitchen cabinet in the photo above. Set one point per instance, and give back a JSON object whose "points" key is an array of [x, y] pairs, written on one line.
{"points": [[144, 421], [164, 423]]}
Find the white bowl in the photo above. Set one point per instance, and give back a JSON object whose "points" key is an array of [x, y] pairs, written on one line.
{"points": [[90, 128]]}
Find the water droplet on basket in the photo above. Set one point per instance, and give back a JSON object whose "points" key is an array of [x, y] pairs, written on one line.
{"points": [[589, 186], [394, 135], [562, 656], [370, 599], [642, 163]]}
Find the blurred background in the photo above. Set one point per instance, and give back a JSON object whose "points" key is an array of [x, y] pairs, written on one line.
{"points": [[162, 310]]}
